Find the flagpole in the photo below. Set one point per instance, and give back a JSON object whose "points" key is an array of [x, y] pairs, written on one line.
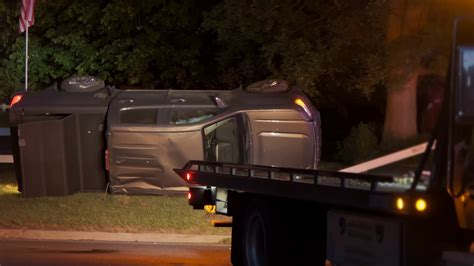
{"points": [[26, 56]]}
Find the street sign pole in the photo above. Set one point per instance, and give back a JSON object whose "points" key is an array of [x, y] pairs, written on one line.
{"points": [[26, 55]]}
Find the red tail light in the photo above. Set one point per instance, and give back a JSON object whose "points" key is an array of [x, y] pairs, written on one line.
{"points": [[189, 195], [16, 99], [188, 176], [107, 163]]}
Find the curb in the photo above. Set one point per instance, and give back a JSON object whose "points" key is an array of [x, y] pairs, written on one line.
{"points": [[116, 237]]}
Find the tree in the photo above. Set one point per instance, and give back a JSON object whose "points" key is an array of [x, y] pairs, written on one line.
{"points": [[8, 18], [328, 48], [144, 43], [418, 41], [404, 23]]}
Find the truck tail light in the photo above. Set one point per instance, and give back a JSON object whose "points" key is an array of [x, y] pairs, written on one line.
{"points": [[16, 99]]}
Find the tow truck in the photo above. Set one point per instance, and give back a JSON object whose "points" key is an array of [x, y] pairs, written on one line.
{"points": [[292, 216]]}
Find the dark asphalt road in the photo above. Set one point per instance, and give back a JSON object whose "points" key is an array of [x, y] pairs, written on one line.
{"points": [[33, 252]]}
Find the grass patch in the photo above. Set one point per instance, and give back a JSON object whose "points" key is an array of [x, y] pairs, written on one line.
{"points": [[101, 212], [226, 241]]}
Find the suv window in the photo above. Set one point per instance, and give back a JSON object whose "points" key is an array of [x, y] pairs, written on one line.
{"points": [[185, 116], [223, 141], [139, 116], [178, 116]]}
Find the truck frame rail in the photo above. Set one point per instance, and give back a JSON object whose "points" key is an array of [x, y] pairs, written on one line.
{"points": [[328, 187]]}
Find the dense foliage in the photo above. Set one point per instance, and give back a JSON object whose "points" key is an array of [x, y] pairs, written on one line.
{"points": [[146, 43], [322, 46], [337, 51]]}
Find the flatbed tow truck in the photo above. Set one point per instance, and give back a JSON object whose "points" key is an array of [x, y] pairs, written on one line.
{"points": [[287, 216]]}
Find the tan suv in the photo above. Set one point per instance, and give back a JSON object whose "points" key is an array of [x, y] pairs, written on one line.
{"points": [[144, 134]]}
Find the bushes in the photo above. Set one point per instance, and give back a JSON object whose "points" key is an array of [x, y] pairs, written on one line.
{"points": [[359, 145]]}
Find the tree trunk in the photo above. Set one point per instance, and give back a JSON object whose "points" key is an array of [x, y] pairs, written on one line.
{"points": [[401, 110], [404, 21]]}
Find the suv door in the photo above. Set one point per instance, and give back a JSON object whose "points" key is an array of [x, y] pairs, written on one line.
{"points": [[224, 141], [283, 138]]}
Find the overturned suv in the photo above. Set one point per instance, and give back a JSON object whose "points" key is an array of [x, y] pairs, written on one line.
{"points": [[86, 136]]}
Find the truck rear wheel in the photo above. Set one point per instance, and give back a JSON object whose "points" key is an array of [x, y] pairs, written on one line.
{"points": [[260, 243], [256, 244], [268, 232]]}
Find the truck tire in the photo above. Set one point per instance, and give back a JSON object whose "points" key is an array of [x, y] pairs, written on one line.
{"points": [[265, 234], [260, 246], [272, 231]]}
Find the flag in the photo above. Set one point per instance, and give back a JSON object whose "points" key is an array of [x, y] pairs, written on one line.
{"points": [[27, 15]]}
